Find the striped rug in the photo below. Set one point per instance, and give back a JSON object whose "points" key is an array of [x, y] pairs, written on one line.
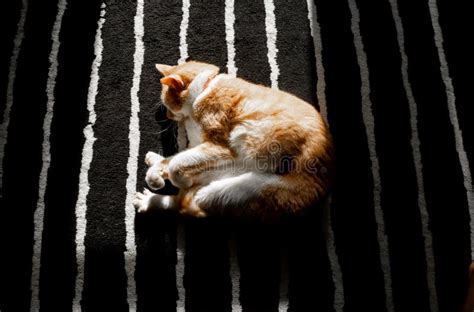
{"points": [[78, 103]]}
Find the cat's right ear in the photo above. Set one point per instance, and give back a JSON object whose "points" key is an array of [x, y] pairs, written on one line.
{"points": [[163, 69]]}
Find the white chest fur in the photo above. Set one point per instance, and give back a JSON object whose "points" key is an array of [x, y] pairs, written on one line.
{"points": [[193, 131]]}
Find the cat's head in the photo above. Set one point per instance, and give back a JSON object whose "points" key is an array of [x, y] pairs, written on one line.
{"points": [[182, 84]]}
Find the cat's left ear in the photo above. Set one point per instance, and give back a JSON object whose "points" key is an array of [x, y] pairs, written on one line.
{"points": [[163, 69]]}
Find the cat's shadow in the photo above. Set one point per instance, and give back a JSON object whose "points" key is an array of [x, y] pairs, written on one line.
{"points": [[286, 258]]}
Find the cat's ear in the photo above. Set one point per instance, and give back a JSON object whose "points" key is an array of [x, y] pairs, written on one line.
{"points": [[174, 82], [163, 69]]}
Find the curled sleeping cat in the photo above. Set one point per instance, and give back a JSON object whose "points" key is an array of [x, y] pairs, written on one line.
{"points": [[253, 151]]}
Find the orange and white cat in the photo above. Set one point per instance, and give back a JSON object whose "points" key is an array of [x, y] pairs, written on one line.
{"points": [[253, 151]]}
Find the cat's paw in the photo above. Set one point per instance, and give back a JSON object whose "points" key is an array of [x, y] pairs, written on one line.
{"points": [[155, 177], [152, 159], [142, 200]]}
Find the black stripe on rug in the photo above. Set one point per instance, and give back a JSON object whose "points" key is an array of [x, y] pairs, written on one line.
{"points": [[58, 263], [23, 160], [251, 42], [206, 33], [446, 196], [156, 232], [206, 279], [259, 261], [310, 283], [393, 134], [353, 212], [311, 287], [105, 282], [295, 57], [258, 246]]}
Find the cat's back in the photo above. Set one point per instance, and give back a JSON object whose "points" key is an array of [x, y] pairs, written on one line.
{"points": [[255, 100], [269, 117]]}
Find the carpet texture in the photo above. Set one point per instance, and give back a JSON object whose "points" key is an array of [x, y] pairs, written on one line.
{"points": [[79, 107]]}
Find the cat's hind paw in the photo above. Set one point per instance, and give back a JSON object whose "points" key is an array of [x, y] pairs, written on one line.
{"points": [[142, 201]]}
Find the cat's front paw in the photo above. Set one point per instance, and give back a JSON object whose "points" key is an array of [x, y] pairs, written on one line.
{"points": [[152, 159], [155, 177], [142, 200]]}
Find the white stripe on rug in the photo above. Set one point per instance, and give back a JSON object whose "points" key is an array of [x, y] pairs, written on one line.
{"points": [[87, 154], [182, 139], [230, 37], [321, 95], [415, 145], [46, 157], [337, 277], [234, 275], [271, 30], [368, 118], [284, 281], [183, 50], [232, 70], [130, 253], [182, 142], [183, 32], [11, 81], [180, 253], [453, 115], [318, 47]]}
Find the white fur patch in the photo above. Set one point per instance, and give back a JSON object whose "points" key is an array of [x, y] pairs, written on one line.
{"points": [[186, 158], [196, 89], [196, 94], [142, 200], [209, 88], [235, 189], [238, 141], [193, 131], [147, 201], [166, 202]]}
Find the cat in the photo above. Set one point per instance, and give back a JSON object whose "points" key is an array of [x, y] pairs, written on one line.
{"points": [[253, 151]]}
